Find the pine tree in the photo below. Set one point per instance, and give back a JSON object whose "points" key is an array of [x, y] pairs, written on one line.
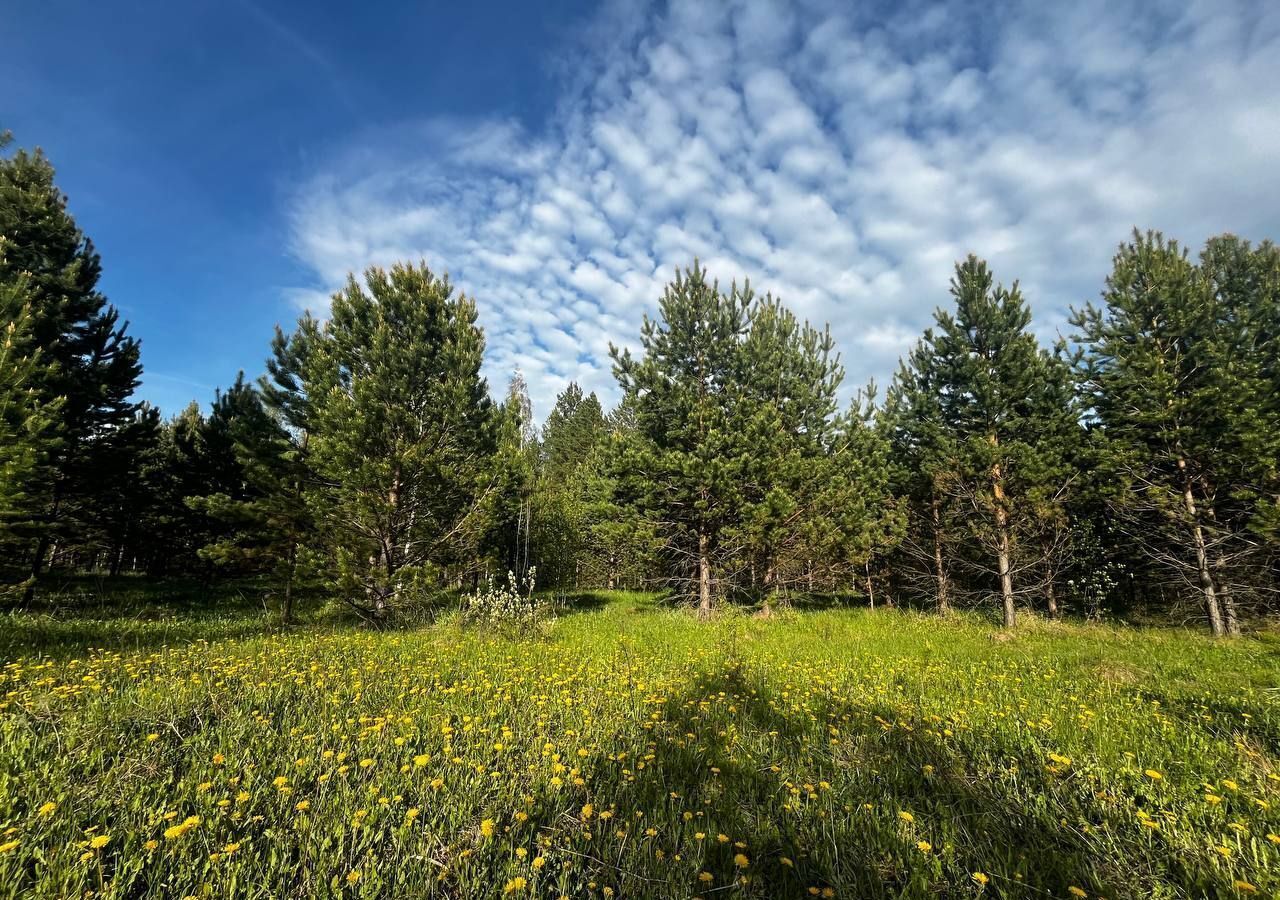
{"points": [[262, 508], [28, 430], [507, 512], [803, 511], [1179, 370], [92, 364], [570, 432], [685, 463], [401, 432], [565, 488], [924, 466], [997, 415]]}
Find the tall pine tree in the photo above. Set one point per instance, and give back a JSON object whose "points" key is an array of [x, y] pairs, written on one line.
{"points": [[1178, 367], [999, 405], [401, 432], [93, 365]]}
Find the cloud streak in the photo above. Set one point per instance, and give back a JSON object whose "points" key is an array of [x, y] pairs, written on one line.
{"points": [[843, 160]]}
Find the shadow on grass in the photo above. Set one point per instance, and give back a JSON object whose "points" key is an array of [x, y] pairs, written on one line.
{"points": [[1031, 832]]}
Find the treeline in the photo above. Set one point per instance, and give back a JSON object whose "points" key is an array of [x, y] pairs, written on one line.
{"points": [[1136, 466]]}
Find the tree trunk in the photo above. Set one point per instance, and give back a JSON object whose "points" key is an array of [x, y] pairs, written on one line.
{"points": [[871, 594], [1053, 599], [704, 576], [1002, 545], [37, 568], [286, 605], [1211, 605], [1230, 618], [939, 570]]}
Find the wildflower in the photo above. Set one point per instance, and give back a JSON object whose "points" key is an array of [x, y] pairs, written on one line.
{"points": [[152, 844], [786, 861], [353, 876], [924, 846], [906, 817], [1153, 775], [47, 809], [1076, 892], [231, 848], [741, 861], [1246, 888], [515, 884], [706, 877], [303, 805], [153, 737], [8, 846], [218, 759], [539, 862], [174, 832], [421, 760], [980, 877], [100, 841], [486, 828]]}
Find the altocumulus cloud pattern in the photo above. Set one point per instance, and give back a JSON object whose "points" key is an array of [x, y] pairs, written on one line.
{"points": [[842, 156]]}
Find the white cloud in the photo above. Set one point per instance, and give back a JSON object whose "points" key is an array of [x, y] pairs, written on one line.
{"points": [[841, 162]]}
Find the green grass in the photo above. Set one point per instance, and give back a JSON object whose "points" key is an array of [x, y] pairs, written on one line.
{"points": [[862, 754]]}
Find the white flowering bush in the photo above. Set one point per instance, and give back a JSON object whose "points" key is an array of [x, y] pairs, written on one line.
{"points": [[510, 607]]}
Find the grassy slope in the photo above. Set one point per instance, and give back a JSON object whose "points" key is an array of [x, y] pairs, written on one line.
{"points": [[856, 753]]}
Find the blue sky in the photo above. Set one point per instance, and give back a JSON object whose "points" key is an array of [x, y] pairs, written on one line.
{"points": [[233, 160]]}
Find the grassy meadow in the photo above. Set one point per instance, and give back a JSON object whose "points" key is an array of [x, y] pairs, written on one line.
{"points": [[633, 751]]}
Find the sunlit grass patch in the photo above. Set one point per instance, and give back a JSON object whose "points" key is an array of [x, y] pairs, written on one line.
{"points": [[637, 752]]}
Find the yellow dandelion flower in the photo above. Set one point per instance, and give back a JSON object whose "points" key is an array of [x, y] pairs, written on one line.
{"points": [[515, 884], [706, 877], [100, 841], [924, 846], [1076, 892], [486, 828], [9, 846], [1245, 887], [353, 876], [1153, 775], [906, 817], [741, 861], [980, 877], [47, 809]]}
